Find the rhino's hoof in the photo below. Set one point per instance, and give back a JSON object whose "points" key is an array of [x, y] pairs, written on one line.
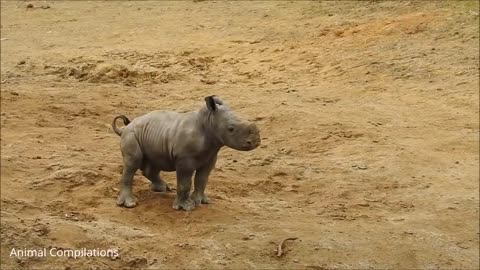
{"points": [[127, 200], [199, 199], [160, 187], [187, 205]]}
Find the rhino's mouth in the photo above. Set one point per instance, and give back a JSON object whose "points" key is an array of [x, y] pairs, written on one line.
{"points": [[248, 146]]}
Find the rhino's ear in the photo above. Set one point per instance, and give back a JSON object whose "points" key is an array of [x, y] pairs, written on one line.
{"points": [[210, 103], [218, 100]]}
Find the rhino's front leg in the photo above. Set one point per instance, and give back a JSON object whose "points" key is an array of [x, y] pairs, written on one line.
{"points": [[201, 179], [184, 183]]}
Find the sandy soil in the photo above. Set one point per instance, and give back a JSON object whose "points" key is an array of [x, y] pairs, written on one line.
{"points": [[368, 113]]}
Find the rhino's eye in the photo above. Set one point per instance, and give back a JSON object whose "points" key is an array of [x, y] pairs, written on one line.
{"points": [[231, 129]]}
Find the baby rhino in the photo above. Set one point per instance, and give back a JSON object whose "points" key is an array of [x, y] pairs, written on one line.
{"points": [[186, 143]]}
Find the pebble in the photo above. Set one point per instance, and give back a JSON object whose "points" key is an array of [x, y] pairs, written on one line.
{"points": [[249, 237]]}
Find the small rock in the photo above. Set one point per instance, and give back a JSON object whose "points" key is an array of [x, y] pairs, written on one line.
{"points": [[21, 62], [14, 93], [20, 261], [339, 33], [30, 6], [207, 81], [41, 230], [295, 260], [153, 261], [137, 263], [249, 237], [362, 167]]}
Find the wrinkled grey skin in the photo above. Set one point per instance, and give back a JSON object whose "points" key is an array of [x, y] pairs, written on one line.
{"points": [[187, 143]]}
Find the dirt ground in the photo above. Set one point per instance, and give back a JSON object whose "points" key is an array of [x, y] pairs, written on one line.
{"points": [[368, 113]]}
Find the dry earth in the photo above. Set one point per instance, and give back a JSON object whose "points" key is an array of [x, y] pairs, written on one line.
{"points": [[368, 112]]}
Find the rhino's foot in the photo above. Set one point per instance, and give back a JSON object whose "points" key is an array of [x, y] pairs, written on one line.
{"points": [[186, 205], [126, 199], [199, 199], [160, 187]]}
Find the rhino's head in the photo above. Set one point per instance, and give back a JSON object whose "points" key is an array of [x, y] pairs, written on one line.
{"points": [[233, 131]]}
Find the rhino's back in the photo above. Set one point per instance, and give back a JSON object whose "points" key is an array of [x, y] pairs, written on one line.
{"points": [[156, 133]]}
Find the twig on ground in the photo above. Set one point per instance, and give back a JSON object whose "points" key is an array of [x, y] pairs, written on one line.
{"points": [[280, 247]]}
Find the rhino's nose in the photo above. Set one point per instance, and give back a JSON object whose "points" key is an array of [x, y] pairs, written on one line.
{"points": [[252, 144]]}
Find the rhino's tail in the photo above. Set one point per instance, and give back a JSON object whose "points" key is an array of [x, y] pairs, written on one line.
{"points": [[126, 121]]}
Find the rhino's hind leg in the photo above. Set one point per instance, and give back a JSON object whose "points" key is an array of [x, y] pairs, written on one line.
{"points": [[152, 174], [184, 184], [126, 198], [132, 159]]}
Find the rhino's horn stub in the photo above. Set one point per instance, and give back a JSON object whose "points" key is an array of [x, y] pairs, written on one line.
{"points": [[210, 103]]}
